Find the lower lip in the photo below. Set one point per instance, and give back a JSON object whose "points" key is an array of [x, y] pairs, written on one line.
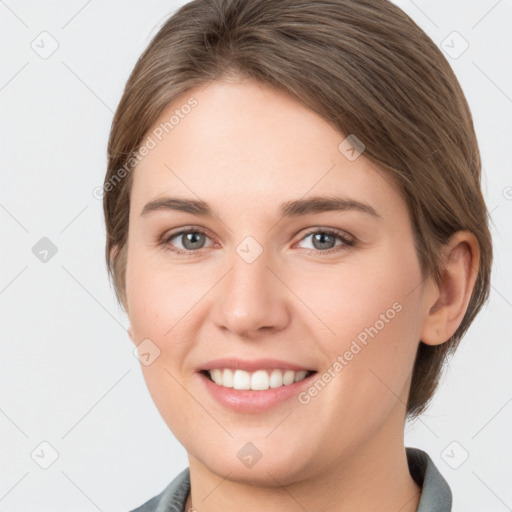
{"points": [[247, 401]]}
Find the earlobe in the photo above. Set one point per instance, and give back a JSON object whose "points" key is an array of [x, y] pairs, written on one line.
{"points": [[447, 302]]}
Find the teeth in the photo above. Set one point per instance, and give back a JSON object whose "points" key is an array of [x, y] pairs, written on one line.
{"points": [[227, 378], [241, 380], [259, 380], [276, 379]]}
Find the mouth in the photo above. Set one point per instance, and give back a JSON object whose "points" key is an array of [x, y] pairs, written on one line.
{"points": [[258, 380], [253, 385]]}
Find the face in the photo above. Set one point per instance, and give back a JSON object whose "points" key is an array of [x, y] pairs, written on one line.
{"points": [[271, 281]]}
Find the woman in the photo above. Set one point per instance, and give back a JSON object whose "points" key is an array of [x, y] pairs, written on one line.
{"points": [[296, 230]]}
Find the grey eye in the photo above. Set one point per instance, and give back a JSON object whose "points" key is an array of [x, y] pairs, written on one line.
{"points": [[193, 240], [190, 240], [323, 241]]}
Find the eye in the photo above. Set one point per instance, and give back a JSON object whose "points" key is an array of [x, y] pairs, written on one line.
{"points": [[191, 240], [324, 241], [194, 239]]}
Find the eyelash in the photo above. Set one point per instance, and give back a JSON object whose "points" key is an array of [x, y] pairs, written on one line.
{"points": [[347, 242]]}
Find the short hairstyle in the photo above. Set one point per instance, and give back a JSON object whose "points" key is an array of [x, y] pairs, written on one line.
{"points": [[365, 67]]}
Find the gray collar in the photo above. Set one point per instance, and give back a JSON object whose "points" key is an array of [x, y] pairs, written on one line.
{"points": [[436, 495]]}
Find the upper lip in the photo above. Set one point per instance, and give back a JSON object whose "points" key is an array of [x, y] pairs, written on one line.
{"points": [[252, 365]]}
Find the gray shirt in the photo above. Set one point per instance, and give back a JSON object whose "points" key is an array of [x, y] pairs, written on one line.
{"points": [[436, 495]]}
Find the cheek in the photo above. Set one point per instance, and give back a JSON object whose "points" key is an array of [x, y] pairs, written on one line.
{"points": [[158, 295], [365, 295], [375, 314], [167, 306], [159, 302]]}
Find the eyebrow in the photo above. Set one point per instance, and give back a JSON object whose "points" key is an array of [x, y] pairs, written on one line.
{"points": [[295, 208]]}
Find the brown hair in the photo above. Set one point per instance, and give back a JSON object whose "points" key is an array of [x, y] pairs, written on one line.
{"points": [[366, 68]]}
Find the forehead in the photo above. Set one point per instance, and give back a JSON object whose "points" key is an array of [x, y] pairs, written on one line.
{"points": [[249, 144]]}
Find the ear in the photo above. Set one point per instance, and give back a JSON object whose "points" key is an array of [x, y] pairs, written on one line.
{"points": [[130, 333], [446, 303]]}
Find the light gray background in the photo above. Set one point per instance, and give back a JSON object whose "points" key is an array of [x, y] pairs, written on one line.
{"points": [[67, 372]]}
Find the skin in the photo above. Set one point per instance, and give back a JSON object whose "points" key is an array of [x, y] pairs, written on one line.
{"points": [[245, 149]]}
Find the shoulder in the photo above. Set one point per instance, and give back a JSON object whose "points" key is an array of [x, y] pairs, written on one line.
{"points": [[436, 495], [172, 498]]}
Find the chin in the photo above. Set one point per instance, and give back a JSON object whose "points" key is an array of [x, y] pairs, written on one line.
{"points": [[245, 463]]}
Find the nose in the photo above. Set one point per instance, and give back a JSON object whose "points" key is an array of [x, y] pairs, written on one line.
{"points": [[252, 299]]}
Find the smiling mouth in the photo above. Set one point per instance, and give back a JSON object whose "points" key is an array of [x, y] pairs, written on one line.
{"points": [[259, 380]]}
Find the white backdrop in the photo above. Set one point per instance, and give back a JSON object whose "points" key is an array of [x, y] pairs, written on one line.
{"points": [[68, 377]]}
